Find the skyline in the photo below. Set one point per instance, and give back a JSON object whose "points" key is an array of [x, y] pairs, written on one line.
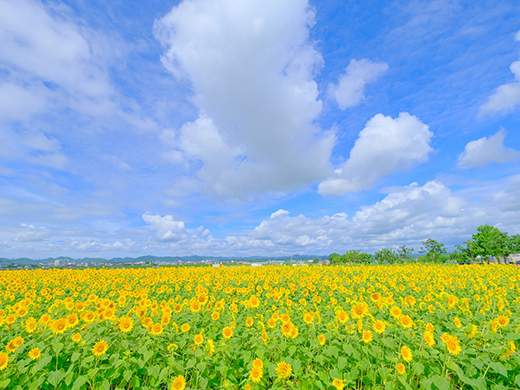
{"points": [[257, 128]]}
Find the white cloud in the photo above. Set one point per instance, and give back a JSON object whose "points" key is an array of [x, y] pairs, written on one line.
{"points": [[39, 46], [507, 97], [29, 233], [251, 66], [384, 146], [166, 228], [350, 90], [481, 152]]}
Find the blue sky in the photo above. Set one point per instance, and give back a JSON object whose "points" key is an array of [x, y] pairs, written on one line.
{"points": [[255, 127]]}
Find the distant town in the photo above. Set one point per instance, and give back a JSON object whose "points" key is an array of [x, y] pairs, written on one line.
{"points": [[155, 261]]}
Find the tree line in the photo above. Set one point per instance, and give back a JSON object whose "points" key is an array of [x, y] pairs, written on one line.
{"points": [[488, 244]]}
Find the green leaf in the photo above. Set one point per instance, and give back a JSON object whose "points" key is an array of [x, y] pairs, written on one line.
{"points": [[128, 375], [105, 385], [57, 348], [5, 383], [203, 383], [441, 382], [342, 363], [55, 377], [453, 366], [499, 368], [75, 356], [419, 368], [93, 372], [402, 379], [79, 382], [42, 362], [147, 355], [296, 366], [163, 375], [201, 367]]}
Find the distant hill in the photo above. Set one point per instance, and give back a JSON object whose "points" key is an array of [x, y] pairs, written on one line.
{"points": [[155, 259]]}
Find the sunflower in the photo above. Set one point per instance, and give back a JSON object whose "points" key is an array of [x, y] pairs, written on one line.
{"points": [[72, 320], [428, 337], [321, 339], [185, 328], [35, 353], [338, 383], [271, 322], [406, 322], [359, 310], [401, 368], [406, 353], [76, 338], [30, 325], [11, 346], [100, 348], [254, 301], [59, 326], [172, 347], [287, 329], [258, 363], [4, 359], [156, 329], [198, 339], [342, 316], [395, 311], [227, 332], [249, 322], [195, 306], [367, 336], [179, 383], [211, 347], [126, 324], [283, 370], [215, 315], [256, 374], [502, 321], [18, 341], [308, 317], [379, 326], [453, 345], [429, 327]]}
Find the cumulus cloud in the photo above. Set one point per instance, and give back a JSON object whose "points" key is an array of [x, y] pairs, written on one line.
{"points": [[507, 97], [166, 228], [350, 90], [252, 68], [481, 152], [384, 146]]}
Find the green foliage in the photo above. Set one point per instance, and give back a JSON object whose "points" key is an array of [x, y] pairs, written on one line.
{"points": [[489, 241], [434, 251], [352, 257], [405, 253], [386, 255]]}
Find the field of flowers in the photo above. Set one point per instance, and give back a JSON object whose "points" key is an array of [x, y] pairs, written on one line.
{"points": [[272, 327]]}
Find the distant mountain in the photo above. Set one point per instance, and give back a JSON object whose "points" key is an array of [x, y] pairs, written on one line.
{"points": [[155, 259]]}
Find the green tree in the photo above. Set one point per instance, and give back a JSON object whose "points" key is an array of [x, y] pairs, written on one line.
{"points": [[353, 256], [334, 258], [386, 255], [433, 250], [491, 242], [405, 253]]}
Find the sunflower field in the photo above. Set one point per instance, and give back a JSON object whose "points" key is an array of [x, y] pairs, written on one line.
{"points": [[273, 327]]}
